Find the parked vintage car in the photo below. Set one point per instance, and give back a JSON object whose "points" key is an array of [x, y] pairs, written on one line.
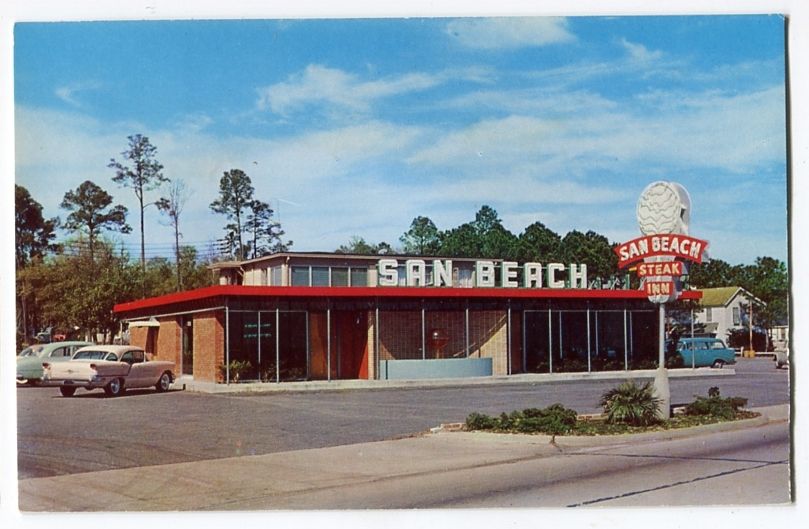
{"points": [[702, 352], [29, 361], [112, 367]]}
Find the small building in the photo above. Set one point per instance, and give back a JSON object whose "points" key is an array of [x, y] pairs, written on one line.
{"points": [[323, 316], [723, 309]]}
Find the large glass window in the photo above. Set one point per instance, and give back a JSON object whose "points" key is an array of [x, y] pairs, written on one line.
{"points": [[275, 276], [339, 277], [320, 276], [252, 346], [359, 277], [537, 342], [243, 346], [300, 276]]}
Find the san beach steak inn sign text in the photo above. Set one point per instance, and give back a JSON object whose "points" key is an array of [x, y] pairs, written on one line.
{"points": [[659, 253], [534, 275]]}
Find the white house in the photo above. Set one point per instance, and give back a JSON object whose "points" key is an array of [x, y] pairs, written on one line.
{"points": [[725, 308]]}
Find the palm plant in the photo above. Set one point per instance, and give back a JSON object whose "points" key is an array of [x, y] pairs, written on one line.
{"points": [[631, 404]]}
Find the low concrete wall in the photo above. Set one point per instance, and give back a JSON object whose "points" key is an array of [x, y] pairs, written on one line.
{"points": [[436, 368]]}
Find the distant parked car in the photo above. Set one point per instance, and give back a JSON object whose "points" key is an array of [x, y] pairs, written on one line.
{"points": [[781, 358], [29, 361], [112, 367], [702, 352]]}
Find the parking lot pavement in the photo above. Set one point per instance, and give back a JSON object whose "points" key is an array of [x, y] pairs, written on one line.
{"points": [[91, 433]]}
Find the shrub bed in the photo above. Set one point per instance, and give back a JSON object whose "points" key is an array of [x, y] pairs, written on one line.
{"points": [[626, 411]]}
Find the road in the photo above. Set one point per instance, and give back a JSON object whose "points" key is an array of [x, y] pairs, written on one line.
{"points": [[450, 469], [89, 432], [733, 468], [737, 468]]}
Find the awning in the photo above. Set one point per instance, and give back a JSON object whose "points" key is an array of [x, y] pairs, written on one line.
{"points": [[144, 323]]}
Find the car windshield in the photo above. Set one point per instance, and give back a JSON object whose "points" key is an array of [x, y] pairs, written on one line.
{"points": [[90, 355], [34, 350]]}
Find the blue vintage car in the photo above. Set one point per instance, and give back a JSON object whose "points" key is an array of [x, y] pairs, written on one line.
{"points": [[29, 361], [702, 352]]}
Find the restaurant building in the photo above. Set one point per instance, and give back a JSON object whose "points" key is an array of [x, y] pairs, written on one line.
{"points": [[325, 316]]}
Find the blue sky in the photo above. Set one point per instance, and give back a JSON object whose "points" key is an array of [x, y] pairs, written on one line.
{"points": [[355, 127]]}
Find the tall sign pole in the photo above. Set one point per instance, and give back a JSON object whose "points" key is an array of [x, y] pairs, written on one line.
{"points": [[663, 213]]}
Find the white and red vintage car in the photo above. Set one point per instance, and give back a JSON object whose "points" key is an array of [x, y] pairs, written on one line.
{"points": [[112, 367]]}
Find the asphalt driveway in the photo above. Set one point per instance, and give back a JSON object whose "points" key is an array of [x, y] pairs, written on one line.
{"points": [[90, 432]]}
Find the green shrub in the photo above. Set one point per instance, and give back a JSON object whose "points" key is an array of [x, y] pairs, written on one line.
{"points": [[674, 361], [569, 365], [237, 369], [631, 404], [644, 363], [716, 406], [553, 420], [480, 421]]}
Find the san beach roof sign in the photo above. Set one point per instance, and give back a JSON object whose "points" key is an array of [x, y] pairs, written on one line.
{"points": [[534, 275]]}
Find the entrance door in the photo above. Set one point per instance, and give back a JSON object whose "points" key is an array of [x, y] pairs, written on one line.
{"points": [[187, 323], [351, 329]]}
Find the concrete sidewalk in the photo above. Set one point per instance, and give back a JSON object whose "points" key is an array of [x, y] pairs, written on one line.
{"points": [[343, 385], [271, 480]]}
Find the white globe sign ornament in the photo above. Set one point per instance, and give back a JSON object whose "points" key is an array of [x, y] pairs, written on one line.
{"points": [[663, 207]]}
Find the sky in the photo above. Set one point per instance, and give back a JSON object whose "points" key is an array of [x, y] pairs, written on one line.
{"points": [[353, 127]]}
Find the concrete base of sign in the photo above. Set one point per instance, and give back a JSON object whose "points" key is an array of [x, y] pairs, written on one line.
{"points": [[662, 392]]}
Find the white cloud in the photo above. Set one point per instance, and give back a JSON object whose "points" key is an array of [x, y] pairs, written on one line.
{"points": [[319, 177], [68, 93], [639, 52], [534, 101], [507, 33], [322, 85], [736, 133]]}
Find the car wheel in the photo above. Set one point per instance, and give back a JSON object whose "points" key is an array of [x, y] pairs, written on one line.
{"points": [[115, 388], [718, 364], [164, 383], [67, 391]]}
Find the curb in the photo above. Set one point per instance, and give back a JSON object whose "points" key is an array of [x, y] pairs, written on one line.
{"points": [[523, 378]]}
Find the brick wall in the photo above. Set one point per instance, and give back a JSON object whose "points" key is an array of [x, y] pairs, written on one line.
{"points": [[209, 345], [169, 342], [138, 336], [488, 338]]}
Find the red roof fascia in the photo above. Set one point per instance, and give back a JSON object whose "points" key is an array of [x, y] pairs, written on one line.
{"points": [[384, 292]]}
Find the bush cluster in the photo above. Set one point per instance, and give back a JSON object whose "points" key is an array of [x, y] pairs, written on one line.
{"points": [[628, 407], [552, 420], [631, 404], [716, 406]]}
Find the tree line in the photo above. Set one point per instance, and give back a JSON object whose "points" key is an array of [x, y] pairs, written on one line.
{"points": [[486, 237], [72, 285]]}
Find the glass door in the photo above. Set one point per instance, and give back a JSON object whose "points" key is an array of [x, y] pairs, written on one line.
{"points": [[187, 323]]}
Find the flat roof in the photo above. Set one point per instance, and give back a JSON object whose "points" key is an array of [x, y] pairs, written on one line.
{"points": [[219, 291]]}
